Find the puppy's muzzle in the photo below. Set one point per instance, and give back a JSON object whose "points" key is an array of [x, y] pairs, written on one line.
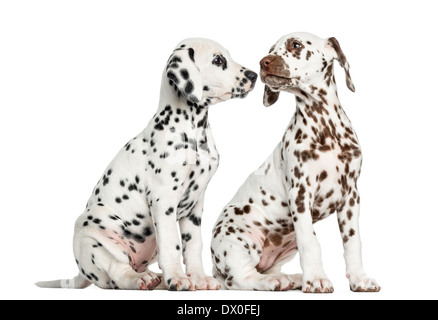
{"points": [[273, 66]]}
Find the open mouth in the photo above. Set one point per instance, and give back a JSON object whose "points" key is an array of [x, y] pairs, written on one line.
{"points": [[275, 79]]}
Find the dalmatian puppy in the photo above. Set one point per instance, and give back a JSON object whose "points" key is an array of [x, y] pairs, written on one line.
{"points": [[159, 178], [311, 174]]}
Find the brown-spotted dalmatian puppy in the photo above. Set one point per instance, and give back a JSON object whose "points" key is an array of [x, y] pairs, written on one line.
{"points": [[157, 180], [311, 174]]}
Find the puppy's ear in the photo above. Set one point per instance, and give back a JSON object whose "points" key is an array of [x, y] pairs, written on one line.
{"points": [[184, 74], [270, 97], [336, 52]]}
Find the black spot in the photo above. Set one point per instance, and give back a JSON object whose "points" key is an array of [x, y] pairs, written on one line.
{"points": [[170, 211], [189, 87], [118, 200], [206, 88], [185, 74], [178, 247], [97, 221], [196, 221], [147, 231], [132, 187], [172, 77], [192, 54], [186, 237], [97, 191]]}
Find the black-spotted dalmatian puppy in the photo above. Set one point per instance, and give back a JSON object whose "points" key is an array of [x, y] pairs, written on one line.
{"points": [[158, 179], [311, 174]]}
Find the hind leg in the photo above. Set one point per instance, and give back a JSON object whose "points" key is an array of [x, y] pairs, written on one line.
{"points": [[297, 279], [235, 262], [100, 267]]}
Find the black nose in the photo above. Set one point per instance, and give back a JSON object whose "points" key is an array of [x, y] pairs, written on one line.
{"points": [[251, 76]]}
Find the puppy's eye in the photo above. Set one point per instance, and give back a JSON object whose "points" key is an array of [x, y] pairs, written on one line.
{"points": [[297, 45], [218, 61]]}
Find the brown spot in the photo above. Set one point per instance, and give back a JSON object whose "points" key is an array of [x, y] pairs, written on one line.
{"points": [[329, 194], [298, 134], [272, 198], [247, 209], [238, 211], [323, 176], [352, 203], [276, 239], [324, 148], [251, 201], [268, 222], [341, 225], [309, 54], [349, 214], [284, 204], [299, 201], [352, 232], [265, 203], [217, 231], [297, 173], [258, 224], [307, 155]]}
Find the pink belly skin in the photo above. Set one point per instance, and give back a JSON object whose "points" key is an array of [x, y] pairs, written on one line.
{"points": [[275, 248], [273, 245], [140, 255]]}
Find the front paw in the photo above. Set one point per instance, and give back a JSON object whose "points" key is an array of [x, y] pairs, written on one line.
{"points": [[180, 283], [317, 285], [203, 282], [363, 284]]}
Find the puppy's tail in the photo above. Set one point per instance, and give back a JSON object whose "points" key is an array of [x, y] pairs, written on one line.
{"points": [[77, 282]]}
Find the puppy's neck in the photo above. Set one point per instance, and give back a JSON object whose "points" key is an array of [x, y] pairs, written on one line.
{"points": [[319, 105], [320, 93], [178, 111]]}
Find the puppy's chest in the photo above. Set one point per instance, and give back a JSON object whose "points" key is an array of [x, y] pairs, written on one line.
{"points": [[326, 158]]}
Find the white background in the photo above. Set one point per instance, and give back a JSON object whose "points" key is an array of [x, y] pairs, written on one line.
{"points": [[78, 79]]}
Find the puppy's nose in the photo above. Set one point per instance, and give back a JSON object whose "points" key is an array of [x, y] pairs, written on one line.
{"points": [[266, 61], [251, 75]]}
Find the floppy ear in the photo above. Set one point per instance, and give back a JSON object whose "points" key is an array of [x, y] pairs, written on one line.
{"points": [[184, 74], [270, 97], [333, 45]]}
